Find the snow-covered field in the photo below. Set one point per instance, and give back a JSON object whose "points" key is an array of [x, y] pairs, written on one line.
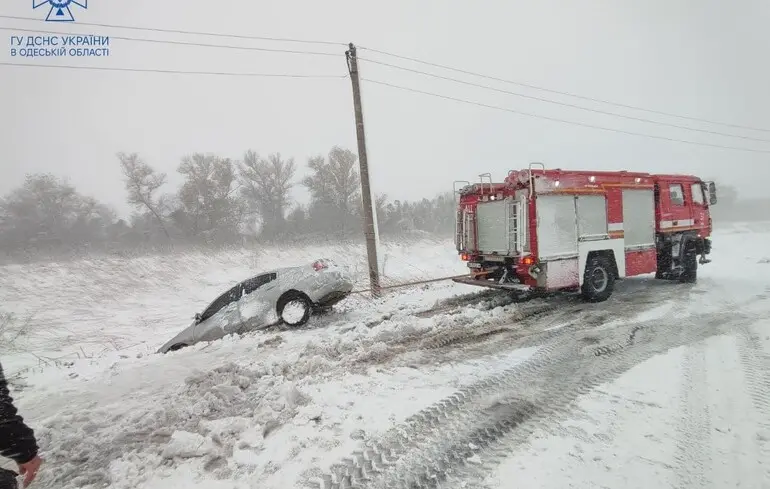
{"points": [[440, 385]]}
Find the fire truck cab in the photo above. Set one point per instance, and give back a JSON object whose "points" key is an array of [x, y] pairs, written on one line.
{"points": [[551, 229]]}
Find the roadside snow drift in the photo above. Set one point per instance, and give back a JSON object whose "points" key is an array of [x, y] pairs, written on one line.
{"points": [[440, 385]]}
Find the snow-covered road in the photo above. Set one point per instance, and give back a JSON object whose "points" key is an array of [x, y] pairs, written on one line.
{"points": [[665, 385]]}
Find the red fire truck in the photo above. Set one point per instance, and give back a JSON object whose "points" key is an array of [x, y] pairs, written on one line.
{"points": [[551, 229]]}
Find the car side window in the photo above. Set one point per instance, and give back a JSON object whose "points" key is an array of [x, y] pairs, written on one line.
{"points": [[677, 195], [234, 294], [697, 194], [221, 302], [254, 283]]}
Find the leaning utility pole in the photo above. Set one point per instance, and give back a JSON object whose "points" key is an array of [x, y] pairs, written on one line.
{"points": [[366, 191]]}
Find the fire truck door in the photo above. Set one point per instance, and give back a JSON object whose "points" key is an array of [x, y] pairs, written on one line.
{"points": [[675, 210], [698, 199]]}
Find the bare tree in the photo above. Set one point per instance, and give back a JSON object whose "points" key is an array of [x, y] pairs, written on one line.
{"points": [[265, 186], [208, 195], [142, 182], [47, 213], [334, 186]]}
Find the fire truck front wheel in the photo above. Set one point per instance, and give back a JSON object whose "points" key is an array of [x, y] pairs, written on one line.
{"points": [[689, 265], [599, 279]]}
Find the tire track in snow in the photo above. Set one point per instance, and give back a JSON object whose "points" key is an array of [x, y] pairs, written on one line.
{"points": [[454, 304], [694, 430], [544, 357], [756, 367], [648, 346], [425, 451], [470, 454], [531, 324]]}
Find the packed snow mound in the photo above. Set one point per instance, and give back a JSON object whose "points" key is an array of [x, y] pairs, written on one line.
{"points": [[277, 409], [184, 444], [103, 305], [214, 414], [235, 406]]}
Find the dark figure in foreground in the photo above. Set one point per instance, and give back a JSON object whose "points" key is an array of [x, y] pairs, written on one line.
{"points": [[17, 441]]}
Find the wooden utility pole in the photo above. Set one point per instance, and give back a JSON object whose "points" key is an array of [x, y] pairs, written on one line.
{"points": [[366, 190]]}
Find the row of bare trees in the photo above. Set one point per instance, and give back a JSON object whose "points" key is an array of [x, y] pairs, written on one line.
{"points": [[221, 198], [220, 201]]}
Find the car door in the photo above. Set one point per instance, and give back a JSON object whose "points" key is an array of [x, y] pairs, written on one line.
{"points": [[258, 291], [203, 331]]}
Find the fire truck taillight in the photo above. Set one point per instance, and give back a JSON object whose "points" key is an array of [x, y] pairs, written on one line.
{"points": [[465, 257], [527, 260]]}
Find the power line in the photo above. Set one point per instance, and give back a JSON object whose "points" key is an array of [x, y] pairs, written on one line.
{"points": [[569, 94], [181, 43], [385, 53], [175, 31], [174, 72], [592, 126], [565, 104]]}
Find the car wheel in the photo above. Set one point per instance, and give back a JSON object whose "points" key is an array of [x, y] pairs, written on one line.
{"points": [[294, 309]]}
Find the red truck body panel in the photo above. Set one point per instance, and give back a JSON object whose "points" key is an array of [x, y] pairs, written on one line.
{"points": [[641, 215]]}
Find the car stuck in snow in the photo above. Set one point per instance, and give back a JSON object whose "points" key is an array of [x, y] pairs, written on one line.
{"points": [[283, 296]]}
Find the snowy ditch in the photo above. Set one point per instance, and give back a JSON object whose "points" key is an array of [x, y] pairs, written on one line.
{"points": [[282, 409]]}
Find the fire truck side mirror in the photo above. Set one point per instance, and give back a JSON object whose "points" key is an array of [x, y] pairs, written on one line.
{"points": [[712, 193]]}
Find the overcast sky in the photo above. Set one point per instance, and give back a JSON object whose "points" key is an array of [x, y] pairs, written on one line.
{"points": [[705, 59]]}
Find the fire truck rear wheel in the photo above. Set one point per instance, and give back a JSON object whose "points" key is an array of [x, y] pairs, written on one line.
{"points": [[599, 279]]}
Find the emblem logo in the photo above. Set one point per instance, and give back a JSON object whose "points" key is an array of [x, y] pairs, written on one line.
{"points": [[59, 10]]}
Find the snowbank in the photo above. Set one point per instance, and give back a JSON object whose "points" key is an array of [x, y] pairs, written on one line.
{"points": [[275, 410], [63, 311]]}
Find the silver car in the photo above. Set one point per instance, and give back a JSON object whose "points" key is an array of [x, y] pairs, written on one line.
{"points": [[286, 295]]}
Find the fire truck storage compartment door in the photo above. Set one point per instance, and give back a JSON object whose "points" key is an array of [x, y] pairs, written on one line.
{"points": [[639, 218], [592, 217], [491, 225], [556, 227]]}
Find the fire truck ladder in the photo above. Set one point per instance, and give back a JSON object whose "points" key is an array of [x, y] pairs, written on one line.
{"points": [[481, 179], [459, 214], [455, 189], [532, 176]]}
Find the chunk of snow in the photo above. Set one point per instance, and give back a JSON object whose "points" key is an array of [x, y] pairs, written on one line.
{"points": [[292, 396], [184, 444], [225, 426], [251, 438], [246, 457], [306, 414]]}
